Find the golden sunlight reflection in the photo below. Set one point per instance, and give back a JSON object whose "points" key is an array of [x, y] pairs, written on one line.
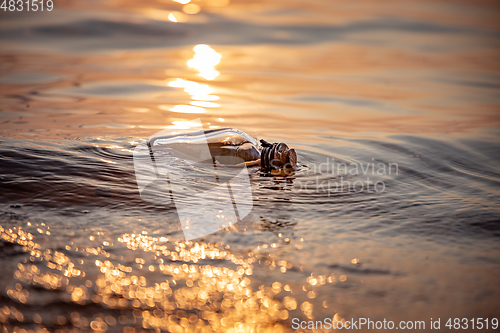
{"points": [[171, 17], [181, 124], [188, 8], [163, 15], [191, 87], [175, 286], [177, 17], [205, 60]]}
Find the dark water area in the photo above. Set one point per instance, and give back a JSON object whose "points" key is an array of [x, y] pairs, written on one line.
{"points": [[392, 212]]}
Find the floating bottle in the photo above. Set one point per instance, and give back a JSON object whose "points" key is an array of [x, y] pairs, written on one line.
{"points": [[227, 147], [205, 174]]}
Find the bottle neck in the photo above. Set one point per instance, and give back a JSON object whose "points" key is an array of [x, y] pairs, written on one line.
{"points": [[275, 156]]}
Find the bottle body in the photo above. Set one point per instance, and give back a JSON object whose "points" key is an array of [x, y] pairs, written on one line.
{"points": [[227, 146]]}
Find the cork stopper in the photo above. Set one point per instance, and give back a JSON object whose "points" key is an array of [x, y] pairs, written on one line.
{"points": [[276, 156]]}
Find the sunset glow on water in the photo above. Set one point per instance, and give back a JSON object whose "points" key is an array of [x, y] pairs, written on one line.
{"points": [[391, 212]]}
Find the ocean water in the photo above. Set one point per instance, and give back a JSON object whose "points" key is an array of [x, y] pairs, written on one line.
{"points": [[392, 213]]}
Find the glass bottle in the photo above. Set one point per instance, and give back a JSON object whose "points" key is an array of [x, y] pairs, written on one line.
{"points": [[226, 146], [204, 173]]}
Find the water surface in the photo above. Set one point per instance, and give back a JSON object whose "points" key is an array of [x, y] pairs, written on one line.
{"points": [[412, 85]]}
